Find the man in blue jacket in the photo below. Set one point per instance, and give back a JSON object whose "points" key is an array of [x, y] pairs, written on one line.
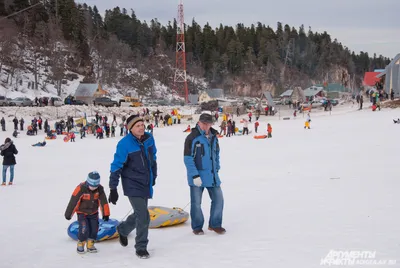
{"points": [[135, 162], [201, 157]]}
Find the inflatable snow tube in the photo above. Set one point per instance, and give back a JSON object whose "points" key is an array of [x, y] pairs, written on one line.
{"points": [[187, 130], [240, 132], [258, 137], [67, 138], [163, 216], [51, 138], [107, 230]]}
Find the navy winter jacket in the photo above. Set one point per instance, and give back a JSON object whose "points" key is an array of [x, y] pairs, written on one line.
{"points": [[201, 157], [135, 162]]}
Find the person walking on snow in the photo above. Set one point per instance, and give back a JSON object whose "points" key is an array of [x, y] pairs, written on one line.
{"points": [[201, 158], [85, 201], [8, 151], [135, 161]]}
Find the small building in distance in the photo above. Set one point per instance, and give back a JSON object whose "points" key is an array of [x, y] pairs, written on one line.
{"points": [[391, 77], [89, 92]]}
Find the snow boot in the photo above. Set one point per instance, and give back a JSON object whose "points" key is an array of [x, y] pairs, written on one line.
{"points": [[218, 230], [81, 247], [3, 184], [123, 240], [198, 232], [90, 246], [10, 183], [142, 254]]}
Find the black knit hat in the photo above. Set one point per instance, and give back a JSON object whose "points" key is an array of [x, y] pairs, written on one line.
{"points": [[132, 120], [206, 118]]}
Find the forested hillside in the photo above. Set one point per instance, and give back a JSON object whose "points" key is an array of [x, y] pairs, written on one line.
{"points": [[242, 59]]}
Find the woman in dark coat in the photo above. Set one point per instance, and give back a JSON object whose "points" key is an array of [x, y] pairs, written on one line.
{"points": [[8, 151]]}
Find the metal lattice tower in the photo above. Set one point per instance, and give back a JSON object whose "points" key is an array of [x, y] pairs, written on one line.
{"points": [[180, 80]]}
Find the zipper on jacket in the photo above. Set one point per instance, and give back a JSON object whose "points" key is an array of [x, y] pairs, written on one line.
{"points": [[212, 160], [142, 150]]}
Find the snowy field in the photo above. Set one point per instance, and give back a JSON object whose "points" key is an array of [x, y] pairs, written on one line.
{"points": [[289, 200]]}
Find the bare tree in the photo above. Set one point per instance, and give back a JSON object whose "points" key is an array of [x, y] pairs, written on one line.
{"points": [[8, 34], [56, 54]]}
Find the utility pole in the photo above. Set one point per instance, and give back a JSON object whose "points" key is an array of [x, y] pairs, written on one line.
{"points": [[288, 59], [180, 79]]}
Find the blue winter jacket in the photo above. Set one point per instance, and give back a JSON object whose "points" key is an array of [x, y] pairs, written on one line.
{"points": [[201, 157], [135, 162]]}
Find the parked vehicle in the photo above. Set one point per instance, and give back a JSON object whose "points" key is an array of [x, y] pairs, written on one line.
{"points": [[56, 101], [104, 101], [21, 101], [70, 100], [79, 102]]}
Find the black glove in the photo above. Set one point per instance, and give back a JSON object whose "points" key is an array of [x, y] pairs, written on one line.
{"points": [[67, 217], [154, 181], [113, 198], [106, 218]]}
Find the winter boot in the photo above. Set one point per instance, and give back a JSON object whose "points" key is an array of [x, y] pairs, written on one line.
{"points": [[81, 247], [10, 183], [123, 240], [3, 184], [90, 246], [142, 254], [198, 232], [218, 230]]}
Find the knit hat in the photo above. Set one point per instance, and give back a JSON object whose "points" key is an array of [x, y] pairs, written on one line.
{"points": [[132, 120], [206, 118], [93, 179]]}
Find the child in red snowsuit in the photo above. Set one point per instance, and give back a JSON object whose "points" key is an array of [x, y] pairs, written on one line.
{"points": [[256, 124]]}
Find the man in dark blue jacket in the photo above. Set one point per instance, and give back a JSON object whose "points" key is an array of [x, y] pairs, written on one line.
{"points": [[201, 157], [135, 162]]}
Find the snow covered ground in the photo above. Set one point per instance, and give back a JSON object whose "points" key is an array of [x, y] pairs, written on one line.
{"points": [[288, 200]]}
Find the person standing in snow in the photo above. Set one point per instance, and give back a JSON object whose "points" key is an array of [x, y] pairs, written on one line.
{"points": [[256, 124], [40, 123], [8, 151], [15, 121], [269, 130], [135, 161], [3, 124], [21, 124], [245, 127], [201, 158], [46, 126]]}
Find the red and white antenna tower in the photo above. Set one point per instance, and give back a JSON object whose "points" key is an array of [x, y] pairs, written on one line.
{"points": [[180, 81]]}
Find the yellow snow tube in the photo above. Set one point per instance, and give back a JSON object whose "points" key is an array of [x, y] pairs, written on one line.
{"points": [[163, 216]]}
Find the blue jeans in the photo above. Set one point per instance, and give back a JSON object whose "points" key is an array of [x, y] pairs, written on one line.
{"points": [[5, 167], [217, 207]]}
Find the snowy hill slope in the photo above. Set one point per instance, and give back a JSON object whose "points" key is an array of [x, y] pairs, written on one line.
{"points": [[289, 200], [18, 80]]}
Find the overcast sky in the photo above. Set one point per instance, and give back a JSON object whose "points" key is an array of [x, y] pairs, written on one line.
{"points": [[361, 25]]}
